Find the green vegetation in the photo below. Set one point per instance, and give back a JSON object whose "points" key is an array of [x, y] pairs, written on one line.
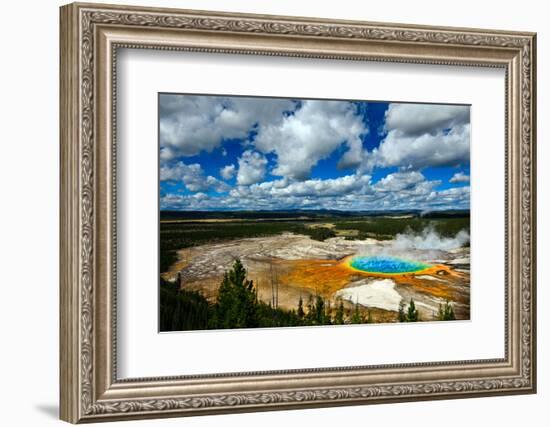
{"points": [[236, 304], [356, 316], [401, 316], [411, 315], [446, 312], [182, 310], [339, 317], [320, 233], [412, 312]]}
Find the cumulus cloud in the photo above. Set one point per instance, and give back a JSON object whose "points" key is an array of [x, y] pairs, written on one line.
{"points": [[311, 134], [459, 177], [399, 181], [190, 124], [420, 119], [349, 184], [228, 172], [192, 176], [289, 138], [444, 148], [350, 192], [251, 168], [405, 190], [457, 195], [419, 136]]}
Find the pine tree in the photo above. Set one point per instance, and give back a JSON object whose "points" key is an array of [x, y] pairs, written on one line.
{"points": [[236, 302], [339, 317], [446, 312], [310, 315], [301, 308], [440, 313], [356, 316], [328, 314], [412, 312], [401, 317], [319, 310], [450, 313]]}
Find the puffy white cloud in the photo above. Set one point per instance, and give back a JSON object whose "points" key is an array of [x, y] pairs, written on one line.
{"points": [[349, 184], [406, 190], [452, 198], [420, 119], [459, 177], [311, 134], [192, 176], [228, 172], [190, 124], [422, 135], [399, 181], [400, 190], [251, 168], [442, 148], [300, 134]]}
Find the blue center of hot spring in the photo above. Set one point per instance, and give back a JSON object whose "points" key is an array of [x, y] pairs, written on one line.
{"points": [[386, 264]]}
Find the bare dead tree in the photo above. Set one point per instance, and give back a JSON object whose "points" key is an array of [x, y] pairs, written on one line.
{"points": [[272, 277]]}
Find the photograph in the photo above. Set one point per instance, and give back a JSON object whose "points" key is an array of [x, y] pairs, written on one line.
{"points": [[279, 212]]}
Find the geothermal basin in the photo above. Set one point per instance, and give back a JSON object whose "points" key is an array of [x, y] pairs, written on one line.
{"points": [[374, 274]]}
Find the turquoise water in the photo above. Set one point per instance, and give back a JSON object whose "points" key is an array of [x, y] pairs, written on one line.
{"points": [[386, 264]]}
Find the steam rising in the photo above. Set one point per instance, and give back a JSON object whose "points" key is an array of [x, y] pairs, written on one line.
{"points": [[430, 239], [427, 245]]}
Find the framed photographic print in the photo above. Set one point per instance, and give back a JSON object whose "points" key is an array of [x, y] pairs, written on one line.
{"points": [[282, 212], [265, 212]]}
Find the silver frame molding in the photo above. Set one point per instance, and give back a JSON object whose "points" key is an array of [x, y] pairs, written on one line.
{"points": [[90, 37]]}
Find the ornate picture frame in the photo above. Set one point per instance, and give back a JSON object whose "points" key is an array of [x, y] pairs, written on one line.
{"points": [[90, 37]]}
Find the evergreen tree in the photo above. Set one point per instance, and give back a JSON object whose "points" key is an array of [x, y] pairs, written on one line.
{"points": [[339, 317], [412, 312], [446, 312], [328, 314], [450, 312], [181, 309], [440, 313], [401, 313], [356, 316], [301, 308], [319, 310], [310, 315], [236, 302]]}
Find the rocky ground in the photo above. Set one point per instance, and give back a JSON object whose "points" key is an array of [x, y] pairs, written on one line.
{"points": [[300, 267]]}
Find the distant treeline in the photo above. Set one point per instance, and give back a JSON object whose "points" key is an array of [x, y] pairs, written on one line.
{"points": [[300, 214]]}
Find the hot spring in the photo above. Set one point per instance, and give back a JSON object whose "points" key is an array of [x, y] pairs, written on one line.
{"points": [[386, 265]]}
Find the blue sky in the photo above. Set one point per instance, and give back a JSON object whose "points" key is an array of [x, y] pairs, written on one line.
{"points": [[234, 153]]}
